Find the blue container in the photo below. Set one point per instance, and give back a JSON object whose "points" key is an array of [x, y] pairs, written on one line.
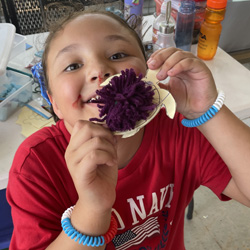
{"points": [[185, 25], [133, 13], [6, 225], [133, 7]]}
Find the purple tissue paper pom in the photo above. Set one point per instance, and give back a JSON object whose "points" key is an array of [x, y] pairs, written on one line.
{"points": [[124, 101]]}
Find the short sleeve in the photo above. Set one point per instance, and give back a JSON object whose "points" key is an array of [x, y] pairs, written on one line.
{"points": [[214, 172], [39, 190]]}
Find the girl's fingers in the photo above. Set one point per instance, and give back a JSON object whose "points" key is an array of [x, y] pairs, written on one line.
{"points": [[92, 145], [85, 130], [159, 57], [97, 158], [179, 65], [175, 64], [168, 61], [163, 52], [89, 164], [86, 139]]}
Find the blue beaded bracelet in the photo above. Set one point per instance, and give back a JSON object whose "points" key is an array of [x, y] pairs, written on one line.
{"points": [[93, 241], [86, 240], [208, 115], [202, 119]]}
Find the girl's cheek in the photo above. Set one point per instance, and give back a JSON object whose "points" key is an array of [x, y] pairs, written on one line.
{"points": [[76, 103], [139, 68], [140, 71], [70, 92]]}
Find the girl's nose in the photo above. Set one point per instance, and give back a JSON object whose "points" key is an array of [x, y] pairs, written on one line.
{"points": [[100, 77]]}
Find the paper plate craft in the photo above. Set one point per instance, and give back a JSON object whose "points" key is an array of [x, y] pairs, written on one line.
{"points": [[128, 102]]}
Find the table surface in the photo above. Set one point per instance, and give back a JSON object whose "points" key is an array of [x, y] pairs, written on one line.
{"points": [[230, 76]]}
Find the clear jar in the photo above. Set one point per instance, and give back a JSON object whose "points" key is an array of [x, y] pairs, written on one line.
{"points": [[159, 19], [166, 35]]}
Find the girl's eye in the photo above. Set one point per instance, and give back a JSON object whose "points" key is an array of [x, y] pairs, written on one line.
{"points": [[117, 56], [73, 66]]}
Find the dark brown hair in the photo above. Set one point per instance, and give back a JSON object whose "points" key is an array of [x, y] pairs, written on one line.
{"points": [[54, 30]]}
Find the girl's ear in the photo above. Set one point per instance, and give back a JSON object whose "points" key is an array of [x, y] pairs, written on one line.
{"points": [[55, 107]]}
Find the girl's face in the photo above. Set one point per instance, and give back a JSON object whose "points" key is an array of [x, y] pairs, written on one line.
{"points": [[89, 49]]}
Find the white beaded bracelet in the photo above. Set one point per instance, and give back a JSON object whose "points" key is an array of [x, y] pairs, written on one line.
{"points": [[67, 213], [220, 100]]}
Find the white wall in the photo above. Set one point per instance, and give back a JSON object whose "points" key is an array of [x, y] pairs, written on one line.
{"points": [[235, 33]]}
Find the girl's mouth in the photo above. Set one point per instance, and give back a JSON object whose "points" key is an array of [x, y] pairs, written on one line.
{"points": [[78, 102], [93, 99]]}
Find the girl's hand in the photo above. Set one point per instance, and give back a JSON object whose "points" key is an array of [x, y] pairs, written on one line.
{"points": [[191, 83], [92, 162]]}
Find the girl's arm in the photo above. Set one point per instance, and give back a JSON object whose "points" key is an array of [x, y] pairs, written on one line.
{"points": [[91, 158], [85, 222], [231, 139], [192, 85]]}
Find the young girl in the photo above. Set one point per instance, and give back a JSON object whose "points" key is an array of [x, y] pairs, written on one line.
{"points": [[139, 186]]}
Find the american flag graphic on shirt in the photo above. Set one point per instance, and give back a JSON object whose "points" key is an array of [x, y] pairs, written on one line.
{"points": [[136, 235]]}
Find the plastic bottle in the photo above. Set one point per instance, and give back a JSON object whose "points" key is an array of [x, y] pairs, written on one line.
{"points": [[211, 29], [159, 19], [185, 25], [200, 7]]}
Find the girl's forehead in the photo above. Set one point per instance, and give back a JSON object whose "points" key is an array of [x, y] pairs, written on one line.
{"points": [[95, 20], [92, 26]]}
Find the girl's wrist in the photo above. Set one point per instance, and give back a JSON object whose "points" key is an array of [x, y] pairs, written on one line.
{"points": [[93, 238], [89, 221], [209, 114], [202, 110]]}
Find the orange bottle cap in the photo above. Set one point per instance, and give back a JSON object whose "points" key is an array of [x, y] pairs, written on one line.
{"points": [[217, 4]]}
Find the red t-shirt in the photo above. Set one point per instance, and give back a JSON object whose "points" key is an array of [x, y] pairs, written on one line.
{"points": [[153, 190]]}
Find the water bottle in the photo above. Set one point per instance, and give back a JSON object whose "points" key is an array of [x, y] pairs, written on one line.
{"points": [[200, 7], [185, 25], [211, 29]]}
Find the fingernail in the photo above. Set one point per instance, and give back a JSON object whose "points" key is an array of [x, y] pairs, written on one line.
{"points": [[150, 59], [160, 75], [170, 71], [152, 62]]}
